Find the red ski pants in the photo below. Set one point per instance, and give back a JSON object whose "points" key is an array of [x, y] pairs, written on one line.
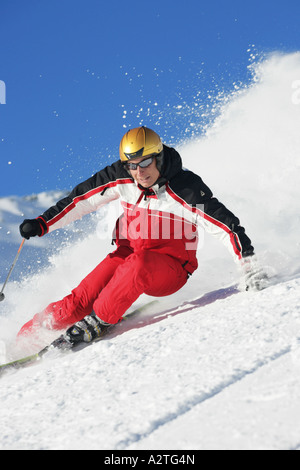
{"points": [[112, 287]]}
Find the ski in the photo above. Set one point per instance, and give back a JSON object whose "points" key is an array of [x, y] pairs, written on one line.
{"points": [[28, 360], [24, 361], [201, 301]]}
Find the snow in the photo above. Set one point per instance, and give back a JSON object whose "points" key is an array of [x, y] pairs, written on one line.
{"points": [[223, 374]]}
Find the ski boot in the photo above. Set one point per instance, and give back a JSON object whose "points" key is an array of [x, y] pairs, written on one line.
{"points": [[86, 330]]}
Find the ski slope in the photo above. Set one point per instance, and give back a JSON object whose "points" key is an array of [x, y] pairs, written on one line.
{"points": [[221, 373]]}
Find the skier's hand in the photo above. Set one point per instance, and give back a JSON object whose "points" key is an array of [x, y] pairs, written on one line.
{"points": [[30, 228], [255, 278]]}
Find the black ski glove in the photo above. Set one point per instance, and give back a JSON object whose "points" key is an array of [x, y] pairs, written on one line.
{"points": [[31, 228]]}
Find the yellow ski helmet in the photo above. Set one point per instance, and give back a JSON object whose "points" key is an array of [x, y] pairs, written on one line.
{"points": [[140, 142]]}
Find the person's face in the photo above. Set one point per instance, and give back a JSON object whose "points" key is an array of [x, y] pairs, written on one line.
{"points": [[146, 176]]}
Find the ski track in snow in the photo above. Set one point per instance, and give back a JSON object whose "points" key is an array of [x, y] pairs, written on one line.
{"points": [[188, 406], [206, 368], [132, 371], [158, 427]]}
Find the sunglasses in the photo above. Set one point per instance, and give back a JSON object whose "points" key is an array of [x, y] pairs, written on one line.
{"points": [[143, 164]]}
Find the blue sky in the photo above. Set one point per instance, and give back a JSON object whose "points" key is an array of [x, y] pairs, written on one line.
{"points": [[79, 73]]}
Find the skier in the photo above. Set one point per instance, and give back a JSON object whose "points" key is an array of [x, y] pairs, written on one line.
{"points": [[156, 236]]}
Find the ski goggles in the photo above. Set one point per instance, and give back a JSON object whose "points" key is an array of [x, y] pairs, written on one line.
{"points": [[143, 164]]}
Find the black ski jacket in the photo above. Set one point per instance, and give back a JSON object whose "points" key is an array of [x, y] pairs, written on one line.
{"points": [[163, 218]]}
